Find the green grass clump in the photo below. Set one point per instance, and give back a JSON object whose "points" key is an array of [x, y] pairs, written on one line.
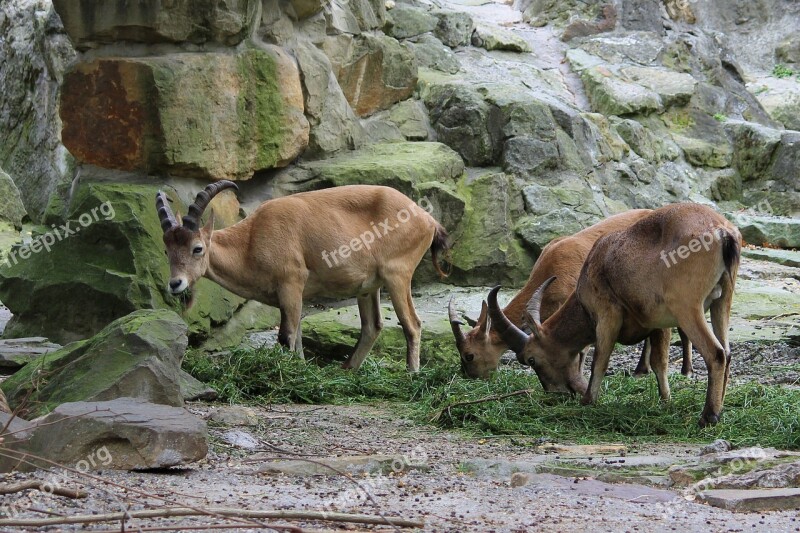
{"points": [[628, 409], [782, 71]]}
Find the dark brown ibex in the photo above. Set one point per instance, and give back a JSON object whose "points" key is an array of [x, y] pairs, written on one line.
{"points": [[481, 347], [339, 242], [631, 287]]}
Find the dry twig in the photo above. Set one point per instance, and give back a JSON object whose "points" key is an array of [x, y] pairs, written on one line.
{"points": [[38, 484]]}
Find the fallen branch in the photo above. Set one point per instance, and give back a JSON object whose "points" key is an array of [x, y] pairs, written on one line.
{"points": [[38, 484], [216, 511], [494, 397]]}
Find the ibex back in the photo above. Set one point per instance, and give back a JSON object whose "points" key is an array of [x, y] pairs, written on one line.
{"points": [[339, 242]]}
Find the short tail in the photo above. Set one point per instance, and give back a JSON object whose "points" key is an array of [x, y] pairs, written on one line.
{"points": [[731, 253], [440, 244]]}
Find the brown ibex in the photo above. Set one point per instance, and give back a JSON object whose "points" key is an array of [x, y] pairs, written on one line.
{"points": [[339, 242], [480, 348], [632, 287]]}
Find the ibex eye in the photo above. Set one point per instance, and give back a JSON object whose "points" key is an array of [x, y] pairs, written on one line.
{"points": [[197, 250]]}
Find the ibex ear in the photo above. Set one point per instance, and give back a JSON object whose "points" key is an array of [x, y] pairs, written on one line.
{"points": [[531, 323], [483, 319], [209, 227], [471, 321]]}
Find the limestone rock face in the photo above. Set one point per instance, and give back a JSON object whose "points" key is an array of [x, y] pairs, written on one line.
{"points": [[374, 71], [35, 52], [196, 115], [90, 23]]}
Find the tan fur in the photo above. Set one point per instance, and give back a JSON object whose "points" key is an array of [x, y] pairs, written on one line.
{"points": [[563, 258], [626, 292], [275, 256]]}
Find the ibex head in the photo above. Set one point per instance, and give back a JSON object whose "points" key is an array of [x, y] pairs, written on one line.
{"points": [[187, 244], [557, 368], [480, 348]]}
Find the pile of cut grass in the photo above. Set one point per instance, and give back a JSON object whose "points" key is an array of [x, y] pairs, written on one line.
{"points": [[628, 409]]}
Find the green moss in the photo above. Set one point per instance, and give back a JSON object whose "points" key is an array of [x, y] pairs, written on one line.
{"points": [[260, 106]]}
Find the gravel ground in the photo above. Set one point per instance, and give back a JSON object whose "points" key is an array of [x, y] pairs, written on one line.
{"points": [[445, 496]]}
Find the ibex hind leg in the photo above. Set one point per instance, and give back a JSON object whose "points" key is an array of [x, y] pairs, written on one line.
{"points": [[400, 292], [290, 301], [693, 323], [643, 367], [659, 360], [369, 309], [686, 347]]}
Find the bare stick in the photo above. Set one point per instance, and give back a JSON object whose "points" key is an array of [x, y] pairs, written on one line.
{"points": [[170, 512], [440, 412], [43, 486]]}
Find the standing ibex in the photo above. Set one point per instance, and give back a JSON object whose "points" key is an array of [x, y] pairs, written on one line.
{"points": [[631, 287], [339, 242], [480, 348]]}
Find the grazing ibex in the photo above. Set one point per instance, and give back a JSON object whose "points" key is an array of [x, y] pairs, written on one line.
{"points": [[339, 242], [632, 286], [480, 348]]}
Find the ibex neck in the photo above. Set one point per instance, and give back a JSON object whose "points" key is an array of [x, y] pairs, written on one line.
{"points": [[571, 326], [515, 310], [228, 260]]}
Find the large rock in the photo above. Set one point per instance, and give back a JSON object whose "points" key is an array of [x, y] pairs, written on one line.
{"points": [[11, 210], [486, 250], [611, 95], [207, 115], [138, 356], [454, 28], [461, 119], [374, 71], [334, 126], [431, 53], [764, 230], [16, 353], [35, 52], [112, 264], [406, 21], [122, 434], [493, 37], [332, 335], [91, 23]]}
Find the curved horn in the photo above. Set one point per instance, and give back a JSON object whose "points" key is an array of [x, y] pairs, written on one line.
{"points": [[455, 324], [511, 334], [535, 305], [192, 219], [165, 212]]}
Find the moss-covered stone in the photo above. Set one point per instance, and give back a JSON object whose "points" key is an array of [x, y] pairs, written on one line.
{"points": [[112, 265], [332, 335], [11, 209], [485, 249], [611, 95], [136, 356]]}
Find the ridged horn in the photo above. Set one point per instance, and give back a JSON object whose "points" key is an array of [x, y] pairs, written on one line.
{"points": [[192, 219], [165, 213], [511, 334], [535, 306], [455, 324]]}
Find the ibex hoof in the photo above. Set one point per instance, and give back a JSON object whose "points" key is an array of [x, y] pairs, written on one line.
{"points": [[708, 420]]}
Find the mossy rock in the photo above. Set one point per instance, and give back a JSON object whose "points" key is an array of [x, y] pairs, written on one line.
{"points": [[485, 249], [111, 266], [136, 356], [11, 209], [332, 335]]}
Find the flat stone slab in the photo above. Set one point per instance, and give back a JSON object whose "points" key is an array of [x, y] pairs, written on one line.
{"points": [[782, 257], [331, 466], [122, 434], [583, 449], [752, 500], [16, 353]]}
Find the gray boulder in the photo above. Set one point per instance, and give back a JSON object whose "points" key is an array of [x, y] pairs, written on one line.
{"points": [[11, 209], [454, 28], [406, 21], [138, 355], [122, 434], [431, 53]]}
